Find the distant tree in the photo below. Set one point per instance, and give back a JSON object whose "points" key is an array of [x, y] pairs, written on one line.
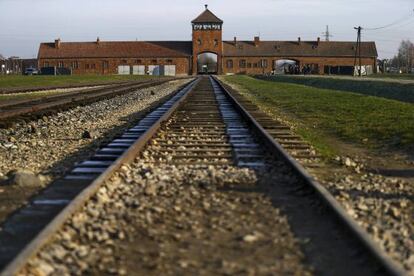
{"points": [[404, 60]]}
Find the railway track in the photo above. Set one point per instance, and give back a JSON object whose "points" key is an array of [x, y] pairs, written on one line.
{"points": [[28, 108], [202, 125]]}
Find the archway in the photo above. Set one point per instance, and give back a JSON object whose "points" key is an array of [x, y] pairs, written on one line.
{"points": [[207, 63], [286, 66]]}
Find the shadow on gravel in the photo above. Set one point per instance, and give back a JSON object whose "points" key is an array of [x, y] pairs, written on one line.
{"points": [[406, 173], [327, 245]]}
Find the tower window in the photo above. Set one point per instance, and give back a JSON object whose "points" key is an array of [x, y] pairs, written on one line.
{"points": [[199, 41], [229, 63], [215, 42]]}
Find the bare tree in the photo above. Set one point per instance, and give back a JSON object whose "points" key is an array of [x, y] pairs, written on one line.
{"points": [[404, 60]]}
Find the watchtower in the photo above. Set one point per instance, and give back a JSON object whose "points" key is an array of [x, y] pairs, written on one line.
{"points": [[207, 43]]}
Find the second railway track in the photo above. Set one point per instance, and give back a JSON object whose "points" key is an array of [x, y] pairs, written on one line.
{"points": [[203, 125], [27, 108]]}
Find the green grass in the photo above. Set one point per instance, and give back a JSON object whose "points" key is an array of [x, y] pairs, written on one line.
{"points": [[14, 81], [394, 76], [323, 116], [391, 90]]}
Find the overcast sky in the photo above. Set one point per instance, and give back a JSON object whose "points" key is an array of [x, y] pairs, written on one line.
{"points": [[26, 23]]}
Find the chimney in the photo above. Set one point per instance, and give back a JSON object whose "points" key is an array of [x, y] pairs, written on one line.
{"points": [[235, 40], [319, 40], [299, 40], [256, 41], [57, 43], [98, 40], [206, 6]]}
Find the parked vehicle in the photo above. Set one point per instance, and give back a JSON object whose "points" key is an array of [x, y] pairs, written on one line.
{"points": [[31, 71]]}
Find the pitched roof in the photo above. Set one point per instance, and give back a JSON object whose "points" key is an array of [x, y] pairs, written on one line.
{"points": [[116, 49], [293, 48], [207, 17]]}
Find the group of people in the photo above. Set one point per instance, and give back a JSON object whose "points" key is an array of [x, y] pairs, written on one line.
{"points": [[294, 69]]}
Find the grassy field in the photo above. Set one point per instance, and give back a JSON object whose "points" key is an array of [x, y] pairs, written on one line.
{"points": [[323, 116], [391, 90], [394, 76], [18, 81]]}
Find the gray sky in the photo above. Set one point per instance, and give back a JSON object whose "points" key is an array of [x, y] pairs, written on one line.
{"points": [[26, 23]]}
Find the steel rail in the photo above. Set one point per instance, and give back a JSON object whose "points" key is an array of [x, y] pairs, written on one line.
{"points": [[5, 91], [32, 106], [391, 266], [79, 201]]}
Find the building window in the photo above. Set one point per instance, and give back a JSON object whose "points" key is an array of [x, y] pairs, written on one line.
{"points": [[263, 63], [199, 41], [61, 64], [75, 65], [46, 64], [242, 63], [255, 65], [249, 65], [86, 66], [215, 42], [105, 64], [93, 66], [169, 61], [124, 61], [138, 61], [229, 63]]}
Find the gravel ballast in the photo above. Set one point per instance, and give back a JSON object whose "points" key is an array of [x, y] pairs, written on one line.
{"points": [[164, 220], [383, 206], [50, 146]]}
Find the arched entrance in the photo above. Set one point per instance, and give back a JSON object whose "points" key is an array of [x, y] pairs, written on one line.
{"points": [[207, 63], [286, 66]]}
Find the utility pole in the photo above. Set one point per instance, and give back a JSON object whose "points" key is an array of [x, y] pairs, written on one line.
{"points": [[327, 34], [358, 51]]}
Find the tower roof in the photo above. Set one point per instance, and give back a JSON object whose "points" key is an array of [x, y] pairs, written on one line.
{"points": [[207, 17]]}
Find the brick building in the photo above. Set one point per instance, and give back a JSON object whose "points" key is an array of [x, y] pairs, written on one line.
{"points": [[206, 53]]}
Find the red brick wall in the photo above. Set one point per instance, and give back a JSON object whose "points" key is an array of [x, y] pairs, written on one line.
{"points": [[322, 62], [96, 65], [207, 38]]}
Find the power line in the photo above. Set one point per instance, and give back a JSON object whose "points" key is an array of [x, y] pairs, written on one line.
{"points": [[397, 22]]}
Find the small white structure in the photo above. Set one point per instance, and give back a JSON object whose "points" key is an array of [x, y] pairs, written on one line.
{"points": [[124, 70]]}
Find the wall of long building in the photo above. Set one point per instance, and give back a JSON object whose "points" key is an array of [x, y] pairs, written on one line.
{"points": [[183, 66], [265, 65], [108, 66]]}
